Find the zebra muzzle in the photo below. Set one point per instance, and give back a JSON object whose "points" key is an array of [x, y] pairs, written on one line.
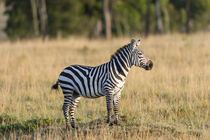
{"points": [[149, 65]]}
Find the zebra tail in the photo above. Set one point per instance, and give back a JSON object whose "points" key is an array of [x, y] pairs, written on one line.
{"points": [[55, 86]]}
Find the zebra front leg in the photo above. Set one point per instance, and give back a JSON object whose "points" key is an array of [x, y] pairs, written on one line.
{"points": [[116, 100], [109, 100], [73, 105]]}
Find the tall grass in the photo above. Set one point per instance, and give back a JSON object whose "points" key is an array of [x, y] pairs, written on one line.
{"points": [[171, 101]]}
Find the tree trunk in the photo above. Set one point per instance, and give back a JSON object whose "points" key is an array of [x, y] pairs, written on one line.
{"points": [[41, 5], [97, 29], [107, 18], [187, 26], [159, 25], [166, 17], [35, 18], [147, 31]]}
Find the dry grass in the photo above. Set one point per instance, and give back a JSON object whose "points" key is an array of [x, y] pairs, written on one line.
{"points": [[169, 102]]}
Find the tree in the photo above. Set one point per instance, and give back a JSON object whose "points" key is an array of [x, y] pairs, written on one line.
{"points": [[187, 26], [98, 28], [107, 18], [164, 4], [35, 17], [159, 25], [147, 31], [41, 5]]}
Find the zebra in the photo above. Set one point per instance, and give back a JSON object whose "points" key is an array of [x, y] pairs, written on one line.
{"points": [[104, 80]]}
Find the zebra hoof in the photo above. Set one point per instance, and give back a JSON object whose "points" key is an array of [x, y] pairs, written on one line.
{"points": [[110, 124], [74, 126], [116, 122], [67, 128], [108, 121]]}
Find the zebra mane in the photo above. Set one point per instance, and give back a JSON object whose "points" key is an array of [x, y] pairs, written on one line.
{"points": [[119, 50]]}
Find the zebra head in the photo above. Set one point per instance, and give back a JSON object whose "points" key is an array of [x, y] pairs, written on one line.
{"points": [[138, 58]]}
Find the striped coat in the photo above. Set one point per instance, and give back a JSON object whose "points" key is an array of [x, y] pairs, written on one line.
{"points": [[104, 80]]}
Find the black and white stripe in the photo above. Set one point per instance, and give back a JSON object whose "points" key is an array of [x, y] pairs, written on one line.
{"points": [[104, 80]]}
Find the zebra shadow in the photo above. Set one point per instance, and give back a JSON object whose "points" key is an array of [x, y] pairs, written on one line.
{"points": [[95, 127], [101, 122]]}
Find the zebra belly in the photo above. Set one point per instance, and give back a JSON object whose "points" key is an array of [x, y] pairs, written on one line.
{"points": [[92, 95]]}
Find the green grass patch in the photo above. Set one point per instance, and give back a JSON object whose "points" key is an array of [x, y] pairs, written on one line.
{"points": [[10, 123]]}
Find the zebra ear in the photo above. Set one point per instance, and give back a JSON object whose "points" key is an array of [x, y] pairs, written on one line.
{"points": [[138, 42], [133, 43]]}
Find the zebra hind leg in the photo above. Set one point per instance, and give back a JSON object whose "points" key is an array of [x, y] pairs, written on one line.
{"points": [[66, 106], [74, 101], [66, 115]]}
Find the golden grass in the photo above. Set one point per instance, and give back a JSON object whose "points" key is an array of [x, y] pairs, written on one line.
{"points": [[172, 99]]}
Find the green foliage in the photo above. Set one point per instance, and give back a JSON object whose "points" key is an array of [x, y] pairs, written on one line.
{"points": [[199, 10], [72, 17], [69, 17], [60, 16], [20, 19], [128, 17], [197, 7], [179, 18], [65, 17]]}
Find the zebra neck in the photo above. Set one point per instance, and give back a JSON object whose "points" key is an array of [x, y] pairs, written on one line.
{"points": [[119, 68], [120, 64]]}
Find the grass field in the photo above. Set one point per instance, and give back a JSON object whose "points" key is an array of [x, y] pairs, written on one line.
{"points": [[169, 102]]}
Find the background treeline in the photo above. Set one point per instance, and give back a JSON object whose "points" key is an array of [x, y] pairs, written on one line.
{"points": [[94, 18]]}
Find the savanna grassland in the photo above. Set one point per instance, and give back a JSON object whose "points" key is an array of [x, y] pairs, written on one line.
{"points": [[169, 102]]}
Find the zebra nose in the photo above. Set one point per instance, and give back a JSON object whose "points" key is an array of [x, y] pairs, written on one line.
{"points": [[150, 63]]}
